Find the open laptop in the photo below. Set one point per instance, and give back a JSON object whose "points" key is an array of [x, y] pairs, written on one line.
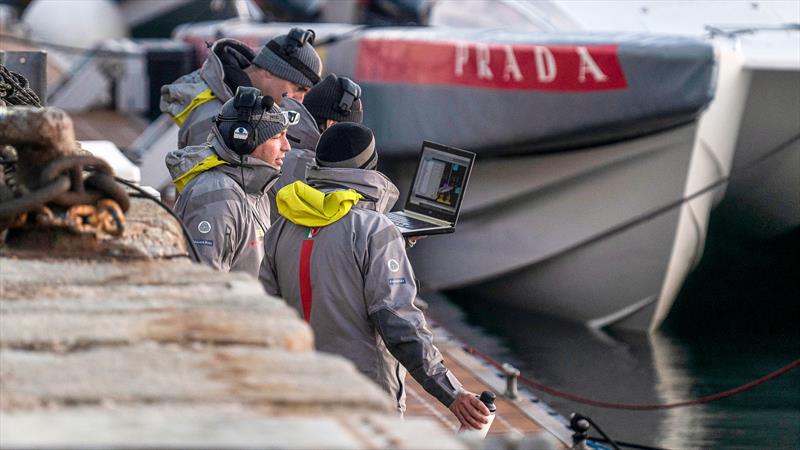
{"points": [[434, 200]]}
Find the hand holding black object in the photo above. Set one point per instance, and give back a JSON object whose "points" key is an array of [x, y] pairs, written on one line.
{"points": [[469, 410]]}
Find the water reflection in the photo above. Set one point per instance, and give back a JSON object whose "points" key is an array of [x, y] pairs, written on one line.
{"points": [[637, 368], [680, 427]]}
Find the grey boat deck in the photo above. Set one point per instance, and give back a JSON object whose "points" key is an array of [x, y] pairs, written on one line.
{"points": [[517, 418]]}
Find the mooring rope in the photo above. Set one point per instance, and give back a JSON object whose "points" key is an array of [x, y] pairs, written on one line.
{"points": [[635, 406]]}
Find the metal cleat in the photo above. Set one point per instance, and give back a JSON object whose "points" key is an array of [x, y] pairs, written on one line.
{"points": [[511, 373]]}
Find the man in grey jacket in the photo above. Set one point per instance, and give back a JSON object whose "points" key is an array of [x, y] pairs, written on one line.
{"points": [[335, 237], [286, 66], [222, 183]]}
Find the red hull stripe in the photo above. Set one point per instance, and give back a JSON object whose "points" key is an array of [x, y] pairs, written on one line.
{"points": [[525, 67], [305, 277]]}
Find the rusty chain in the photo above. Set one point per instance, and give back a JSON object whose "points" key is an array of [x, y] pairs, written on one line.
{"points": [[107, 216], [96, 203], [100, 184], [34, 199]]}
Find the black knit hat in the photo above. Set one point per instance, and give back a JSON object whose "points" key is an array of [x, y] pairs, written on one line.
{"points": [[335, 98], [347, 145], [292, 57]]}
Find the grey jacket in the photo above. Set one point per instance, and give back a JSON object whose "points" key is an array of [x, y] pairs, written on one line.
{"points": [[192, 111], [302, 153], [358, 290], [224, 207]]}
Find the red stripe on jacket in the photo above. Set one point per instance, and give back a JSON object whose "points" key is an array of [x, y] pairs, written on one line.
{"points": [[305, 277]]}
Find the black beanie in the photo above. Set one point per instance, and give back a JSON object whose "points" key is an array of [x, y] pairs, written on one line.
{"points": [[323, 101], [347, 145]]}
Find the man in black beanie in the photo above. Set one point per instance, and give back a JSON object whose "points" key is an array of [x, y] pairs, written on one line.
{"points": [[333, 100], [286, 66], [335, 237]]}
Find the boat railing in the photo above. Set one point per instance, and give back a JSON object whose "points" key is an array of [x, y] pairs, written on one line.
{"points": [[733, 32]]}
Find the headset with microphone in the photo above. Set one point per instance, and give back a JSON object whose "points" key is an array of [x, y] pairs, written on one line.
{"points": [[239, 132]]}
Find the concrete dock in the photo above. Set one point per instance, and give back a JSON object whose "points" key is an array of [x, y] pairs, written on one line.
{"points": [[138, 347], [151, 351]]}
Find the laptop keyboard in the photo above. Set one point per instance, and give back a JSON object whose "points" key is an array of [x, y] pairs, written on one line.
{"points": [[408, 222]]}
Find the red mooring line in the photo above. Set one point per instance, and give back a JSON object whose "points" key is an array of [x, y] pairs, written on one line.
{"points": [[640, 407]]}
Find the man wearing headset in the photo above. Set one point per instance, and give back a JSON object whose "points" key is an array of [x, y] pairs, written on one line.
{"points": [[333, 100], [286, 66], [222, 183]]}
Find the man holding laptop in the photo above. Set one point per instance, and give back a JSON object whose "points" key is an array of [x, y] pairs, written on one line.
{"points": [[334, 236]]}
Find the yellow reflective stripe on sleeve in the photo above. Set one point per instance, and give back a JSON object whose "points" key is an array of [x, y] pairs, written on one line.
{"points": [[198, 100], [206, 164]]}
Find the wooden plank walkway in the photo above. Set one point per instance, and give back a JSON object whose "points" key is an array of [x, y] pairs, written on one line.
{"points": [[518, 418]]}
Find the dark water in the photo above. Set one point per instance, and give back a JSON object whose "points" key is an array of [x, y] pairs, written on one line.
{"points": [[735, 320]]}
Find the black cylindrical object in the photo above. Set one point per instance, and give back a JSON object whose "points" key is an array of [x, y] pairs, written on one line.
{"points": [[488, 398]]}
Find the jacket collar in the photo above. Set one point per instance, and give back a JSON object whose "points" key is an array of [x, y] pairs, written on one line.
{"points": [[213, 73], [255, 175], [252, 174], [380, 194]]}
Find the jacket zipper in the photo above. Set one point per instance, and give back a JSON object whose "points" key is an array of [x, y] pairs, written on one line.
{"points": [[228, 243]]}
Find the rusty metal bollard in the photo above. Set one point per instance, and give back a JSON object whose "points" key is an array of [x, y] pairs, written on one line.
{"points": [[50, 170], [40, 135]]}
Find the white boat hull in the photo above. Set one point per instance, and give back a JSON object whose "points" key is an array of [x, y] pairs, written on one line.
{"points": [[560, 234], [544, 226], [763, 195], [711, 163]]}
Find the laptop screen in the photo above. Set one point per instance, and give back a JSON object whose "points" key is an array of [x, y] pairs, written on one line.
{"points": [[439, 183]]}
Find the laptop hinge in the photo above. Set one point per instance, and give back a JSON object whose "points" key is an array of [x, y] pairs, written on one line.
{"points": [[430, 219]]}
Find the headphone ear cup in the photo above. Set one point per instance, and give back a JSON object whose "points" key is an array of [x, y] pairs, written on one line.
{"points": [[241, 138], [251, 144]]}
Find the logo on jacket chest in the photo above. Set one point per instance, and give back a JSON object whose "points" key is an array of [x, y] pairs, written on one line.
{"points": [[394, 266], [259, 237], [204, 227]]}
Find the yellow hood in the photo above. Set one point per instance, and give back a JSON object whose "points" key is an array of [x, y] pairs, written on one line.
{"points": [[308, 207], [185, 158]]}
